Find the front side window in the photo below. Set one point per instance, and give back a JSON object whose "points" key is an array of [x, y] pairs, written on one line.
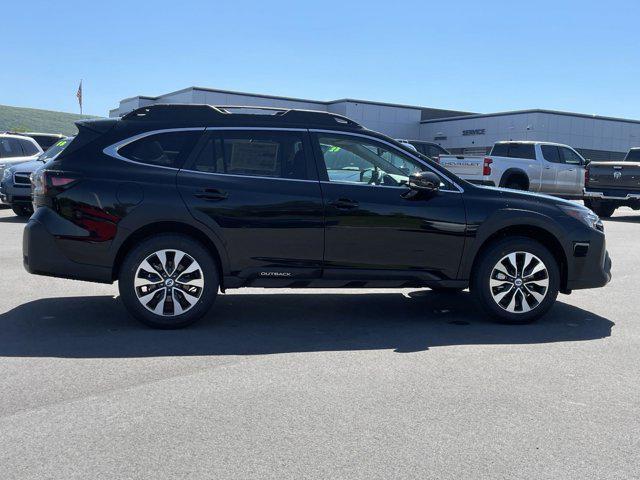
{"points": [[257, 154], [365, 162], [550, 153], [570, 157], [168, 149]]}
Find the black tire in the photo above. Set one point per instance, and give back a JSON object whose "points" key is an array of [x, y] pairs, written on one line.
{"points": [[484, 293], [516, 184], [22, 210], [207, 294], [603, 210]]}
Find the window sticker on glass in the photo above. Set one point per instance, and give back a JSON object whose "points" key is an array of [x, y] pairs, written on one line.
{"points": [[258, 157]]}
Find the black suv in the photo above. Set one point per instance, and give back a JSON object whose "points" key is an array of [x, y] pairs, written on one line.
{"points": [[177, 202]]}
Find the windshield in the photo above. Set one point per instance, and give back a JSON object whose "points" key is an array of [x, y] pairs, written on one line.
{"points": [[55, 150], [633, 155]]}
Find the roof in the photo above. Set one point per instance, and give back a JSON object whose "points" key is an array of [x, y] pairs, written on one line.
{"points": [[537, 110], [208, 115]]}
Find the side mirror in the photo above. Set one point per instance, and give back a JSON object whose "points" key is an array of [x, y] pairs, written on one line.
{"points": [[586, 162], [424, 182]]}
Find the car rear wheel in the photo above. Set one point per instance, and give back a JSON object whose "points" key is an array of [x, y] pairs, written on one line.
{"points": [[168, 281], [516, 280]]}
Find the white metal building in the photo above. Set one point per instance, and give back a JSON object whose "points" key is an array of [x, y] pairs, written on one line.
{"points": [[597, 138]]}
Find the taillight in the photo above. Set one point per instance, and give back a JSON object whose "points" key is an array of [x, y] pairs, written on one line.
{"points": [[486, 166], [586, 176], [51, 182]]}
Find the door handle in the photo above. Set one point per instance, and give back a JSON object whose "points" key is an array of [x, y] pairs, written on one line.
{"points": [[547, 168], [212, 194], [344, 204]]}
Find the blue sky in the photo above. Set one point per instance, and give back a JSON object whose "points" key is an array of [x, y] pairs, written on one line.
{"points": [[480, 56]]}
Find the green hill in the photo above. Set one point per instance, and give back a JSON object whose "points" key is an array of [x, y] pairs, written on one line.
{"points": [[34, 120]]}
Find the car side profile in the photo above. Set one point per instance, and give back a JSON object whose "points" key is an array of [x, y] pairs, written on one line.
{"points": [[179, 202]]}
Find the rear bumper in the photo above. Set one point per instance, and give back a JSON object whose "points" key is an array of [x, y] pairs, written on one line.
{"points": [[612, 195], [42, 255], [590, 269]]}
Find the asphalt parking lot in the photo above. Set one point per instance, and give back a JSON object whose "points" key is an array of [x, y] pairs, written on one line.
{"points": [[333, 384]]}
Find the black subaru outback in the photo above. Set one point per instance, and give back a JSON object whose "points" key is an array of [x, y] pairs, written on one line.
{"points": [[178, 202]]}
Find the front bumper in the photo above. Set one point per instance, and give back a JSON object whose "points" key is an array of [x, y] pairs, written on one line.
{"points": [[590, 267], [42, 255]]}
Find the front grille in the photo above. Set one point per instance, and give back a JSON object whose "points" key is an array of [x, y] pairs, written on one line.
{"points": [[21, 179]]}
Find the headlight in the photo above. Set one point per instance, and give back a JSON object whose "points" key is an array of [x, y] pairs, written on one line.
{"points": [[6, 174], [584, 215]]}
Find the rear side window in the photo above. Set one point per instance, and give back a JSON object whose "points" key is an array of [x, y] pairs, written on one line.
{"points": [[500, 150], [168, 149], [256, 154], [550, 153], [10, 147]]}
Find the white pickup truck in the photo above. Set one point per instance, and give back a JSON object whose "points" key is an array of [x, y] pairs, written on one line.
{"points": [[535, 166]]}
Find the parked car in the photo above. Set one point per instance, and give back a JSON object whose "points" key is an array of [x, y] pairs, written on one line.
{"points": [[45, 140], [177, 202], [15, 183], [428, 149], [17, 149], [542, 167], [609, 185]]}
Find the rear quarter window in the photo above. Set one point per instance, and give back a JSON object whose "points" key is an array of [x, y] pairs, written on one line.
{"points": [[168, 149]]}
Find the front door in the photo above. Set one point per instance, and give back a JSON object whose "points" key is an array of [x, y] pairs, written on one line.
{"points": [[258, 191], [571, 172], [372, 226]]}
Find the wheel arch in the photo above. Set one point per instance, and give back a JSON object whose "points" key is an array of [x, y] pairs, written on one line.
{"points": [[513, 173], [170, 227], [533, 232]]}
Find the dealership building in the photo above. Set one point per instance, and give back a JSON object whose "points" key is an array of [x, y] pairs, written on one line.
{"points": [[596, 137]]}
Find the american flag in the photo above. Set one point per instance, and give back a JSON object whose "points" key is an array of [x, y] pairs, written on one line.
{"points": [[79, 95]]}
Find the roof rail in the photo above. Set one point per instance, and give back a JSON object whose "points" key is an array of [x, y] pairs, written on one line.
{"points": [[211, 113]]}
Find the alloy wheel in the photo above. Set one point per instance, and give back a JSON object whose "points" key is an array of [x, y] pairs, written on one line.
{"points": [[169, 282], [519, 282]]}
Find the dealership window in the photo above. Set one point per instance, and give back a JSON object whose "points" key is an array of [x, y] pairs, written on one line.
{"points": [[168, 149], [273, 154], [551, 154]]}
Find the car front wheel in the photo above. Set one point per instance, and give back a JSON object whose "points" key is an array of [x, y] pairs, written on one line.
{"points": [[168, 281], [516, 280]]}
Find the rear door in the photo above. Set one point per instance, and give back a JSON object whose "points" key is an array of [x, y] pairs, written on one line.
{"points": [[551, 161], [258, 190]]}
